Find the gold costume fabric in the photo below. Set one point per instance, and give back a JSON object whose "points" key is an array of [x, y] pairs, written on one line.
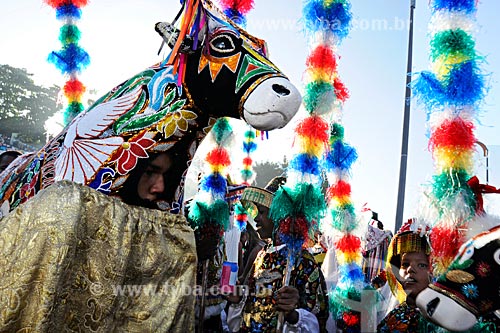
{"points": [[75, 260]]}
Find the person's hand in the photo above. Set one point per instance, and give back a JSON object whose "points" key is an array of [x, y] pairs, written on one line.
{"points": [[232, 298], [287, 301]]}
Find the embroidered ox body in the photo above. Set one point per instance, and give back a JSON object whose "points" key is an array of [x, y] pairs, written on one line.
{"points": [[470, 288], [224, 72]]}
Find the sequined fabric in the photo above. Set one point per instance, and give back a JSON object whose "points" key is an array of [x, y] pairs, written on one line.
{"points": [[75, 260], [259, 314], [403, 318]]}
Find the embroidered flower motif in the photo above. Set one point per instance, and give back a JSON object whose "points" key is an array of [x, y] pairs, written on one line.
{"points": [[176, 122], [129, 152], [470, 291], [28, 190], [483, 269]]}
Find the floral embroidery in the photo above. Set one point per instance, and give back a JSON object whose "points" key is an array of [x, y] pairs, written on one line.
{"points": [[470, 291], [28, 190], [483, 269], [131, 151], [176, 122]]}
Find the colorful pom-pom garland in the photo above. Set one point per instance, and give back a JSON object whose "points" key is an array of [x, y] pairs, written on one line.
{"points": [[451, 94], [324, 151], [71, 59], [209, 209]]}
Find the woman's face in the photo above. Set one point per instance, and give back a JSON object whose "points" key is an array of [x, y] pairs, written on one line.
{"points": [[414, 272], [152, 183]]}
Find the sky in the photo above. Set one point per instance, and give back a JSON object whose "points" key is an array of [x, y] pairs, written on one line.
{"points": [[120, 39]]}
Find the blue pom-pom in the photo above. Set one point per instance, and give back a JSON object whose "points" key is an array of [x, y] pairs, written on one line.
{"points": [[70, 59], [468, 6], [428, 90], [68, 11], [341, 156], [336, 18], [249, 147], [216, 184], [350, 273], [236, 16], [465, 85], [305, 163]]}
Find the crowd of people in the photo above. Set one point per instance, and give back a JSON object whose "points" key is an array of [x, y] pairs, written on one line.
{"points": [[264, 302]]}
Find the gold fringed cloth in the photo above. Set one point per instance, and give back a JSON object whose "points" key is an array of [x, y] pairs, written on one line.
{"points": [[75, 260]]}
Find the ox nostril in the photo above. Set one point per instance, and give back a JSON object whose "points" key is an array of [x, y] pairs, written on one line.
{"points": [[280, 90], [432, 305]]}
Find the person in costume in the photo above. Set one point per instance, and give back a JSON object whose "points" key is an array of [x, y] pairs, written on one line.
{"points": [[303, 302], [250, 246], [408, 273], [7, 157]]}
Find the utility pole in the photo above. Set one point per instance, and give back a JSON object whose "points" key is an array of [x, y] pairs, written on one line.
{"points": [[406, 127]]}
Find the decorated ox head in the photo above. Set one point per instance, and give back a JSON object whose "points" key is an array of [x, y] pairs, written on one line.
{"points": [[470, 288], [216, 69]]}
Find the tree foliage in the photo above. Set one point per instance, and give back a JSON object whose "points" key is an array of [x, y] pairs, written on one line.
{"points": [[266, 171], [24, 106]]}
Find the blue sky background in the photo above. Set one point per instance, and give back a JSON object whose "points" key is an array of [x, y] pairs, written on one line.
{"points": [[121, 41]]}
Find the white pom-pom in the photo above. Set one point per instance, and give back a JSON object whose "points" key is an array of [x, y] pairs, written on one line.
{"points": [[443, 20]]}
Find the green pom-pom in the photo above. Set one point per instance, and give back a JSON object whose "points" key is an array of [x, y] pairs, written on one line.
{"points": [[304, 199], [246, 174], [450, 183], [72, 110], [69, 33], [313, 93], [453, 42], [344, 218], [250, 134], [201, 214], [221, 130], [336, 132]]}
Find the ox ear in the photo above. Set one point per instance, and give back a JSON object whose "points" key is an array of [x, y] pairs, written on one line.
{"points": [[170, 34]]}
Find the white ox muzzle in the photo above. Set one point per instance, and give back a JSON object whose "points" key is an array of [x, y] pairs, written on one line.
{"points": [[272, 104], [444, 311]]}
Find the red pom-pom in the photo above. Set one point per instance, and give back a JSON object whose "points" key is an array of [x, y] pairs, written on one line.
{"points": [[218, 156], [340, 189], [456, 132], [350, 319], [294, 226], [247, 161], [60, 3], [242, 6], [340, 90], [314, 127], [445, 242], [322, 57], [348, 243], [74, 87]]}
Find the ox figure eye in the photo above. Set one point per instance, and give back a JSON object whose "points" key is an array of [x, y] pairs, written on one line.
{"points": [[496, 256], [223, 44]]}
